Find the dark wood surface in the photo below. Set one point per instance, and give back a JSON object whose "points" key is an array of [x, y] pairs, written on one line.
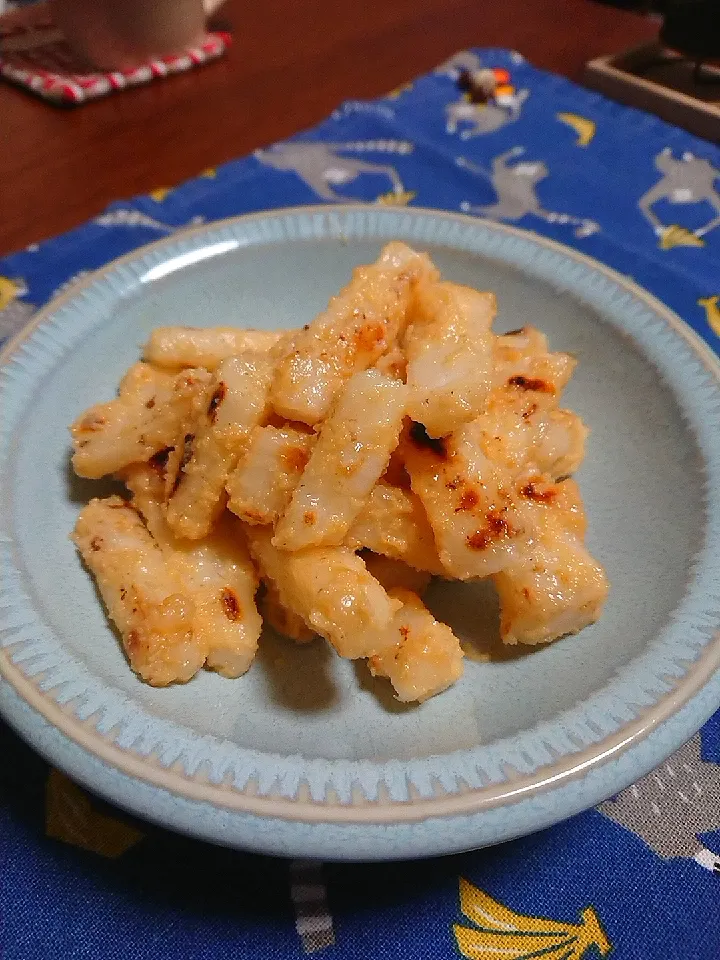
{"points": [[292, 62]]}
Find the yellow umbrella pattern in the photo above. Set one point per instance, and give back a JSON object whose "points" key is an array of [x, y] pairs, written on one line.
{"points": [[72, 817], [15, 311], [500, 932], [396, 198], [10, 290], [712, 312], [583, 127], [397, 92]]}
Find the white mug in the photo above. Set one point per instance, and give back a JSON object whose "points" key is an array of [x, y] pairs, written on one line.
{"points": [[122, 34]]}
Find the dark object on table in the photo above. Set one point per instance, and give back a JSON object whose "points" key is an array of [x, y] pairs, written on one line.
{"points": [[692, 27], [677, 78], [653, 78]]}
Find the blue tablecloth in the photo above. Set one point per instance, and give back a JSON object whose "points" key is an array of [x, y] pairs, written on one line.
{"points": [[638, 875]]}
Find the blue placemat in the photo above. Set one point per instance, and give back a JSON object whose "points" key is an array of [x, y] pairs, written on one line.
{"points": [[638, 875]]}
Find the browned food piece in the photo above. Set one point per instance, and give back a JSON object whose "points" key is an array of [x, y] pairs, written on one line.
{"points": [[216, 573], [551, 440], [350, 455], [282, 620], [394, 573], [263, 482], [393, 522], [523, 363], [554, 589], [556, 499], [238, 403], [173, 348], [146, 417], [331, 590], [360, 324], [143, 597], [478, 519], [425, 658], [449, 352]]}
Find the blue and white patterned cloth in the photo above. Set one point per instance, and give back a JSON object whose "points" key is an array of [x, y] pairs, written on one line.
{"points": [[639, 874]]}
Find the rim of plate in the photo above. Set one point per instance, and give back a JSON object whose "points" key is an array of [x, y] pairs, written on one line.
{"points": [[462, 798]]}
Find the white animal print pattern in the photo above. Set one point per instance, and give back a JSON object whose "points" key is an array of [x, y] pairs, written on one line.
{"points": [[515, 186], [687, 180], [484, 117], [323, 166], [670, 807]]}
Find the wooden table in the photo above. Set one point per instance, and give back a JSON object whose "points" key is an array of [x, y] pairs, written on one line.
{"points": [[291, 63]]}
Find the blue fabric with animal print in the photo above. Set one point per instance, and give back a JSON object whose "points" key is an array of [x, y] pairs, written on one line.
{"points": [[641, 874]]}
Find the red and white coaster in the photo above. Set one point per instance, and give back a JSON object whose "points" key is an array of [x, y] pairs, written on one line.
{"points": [[35, 55]]}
